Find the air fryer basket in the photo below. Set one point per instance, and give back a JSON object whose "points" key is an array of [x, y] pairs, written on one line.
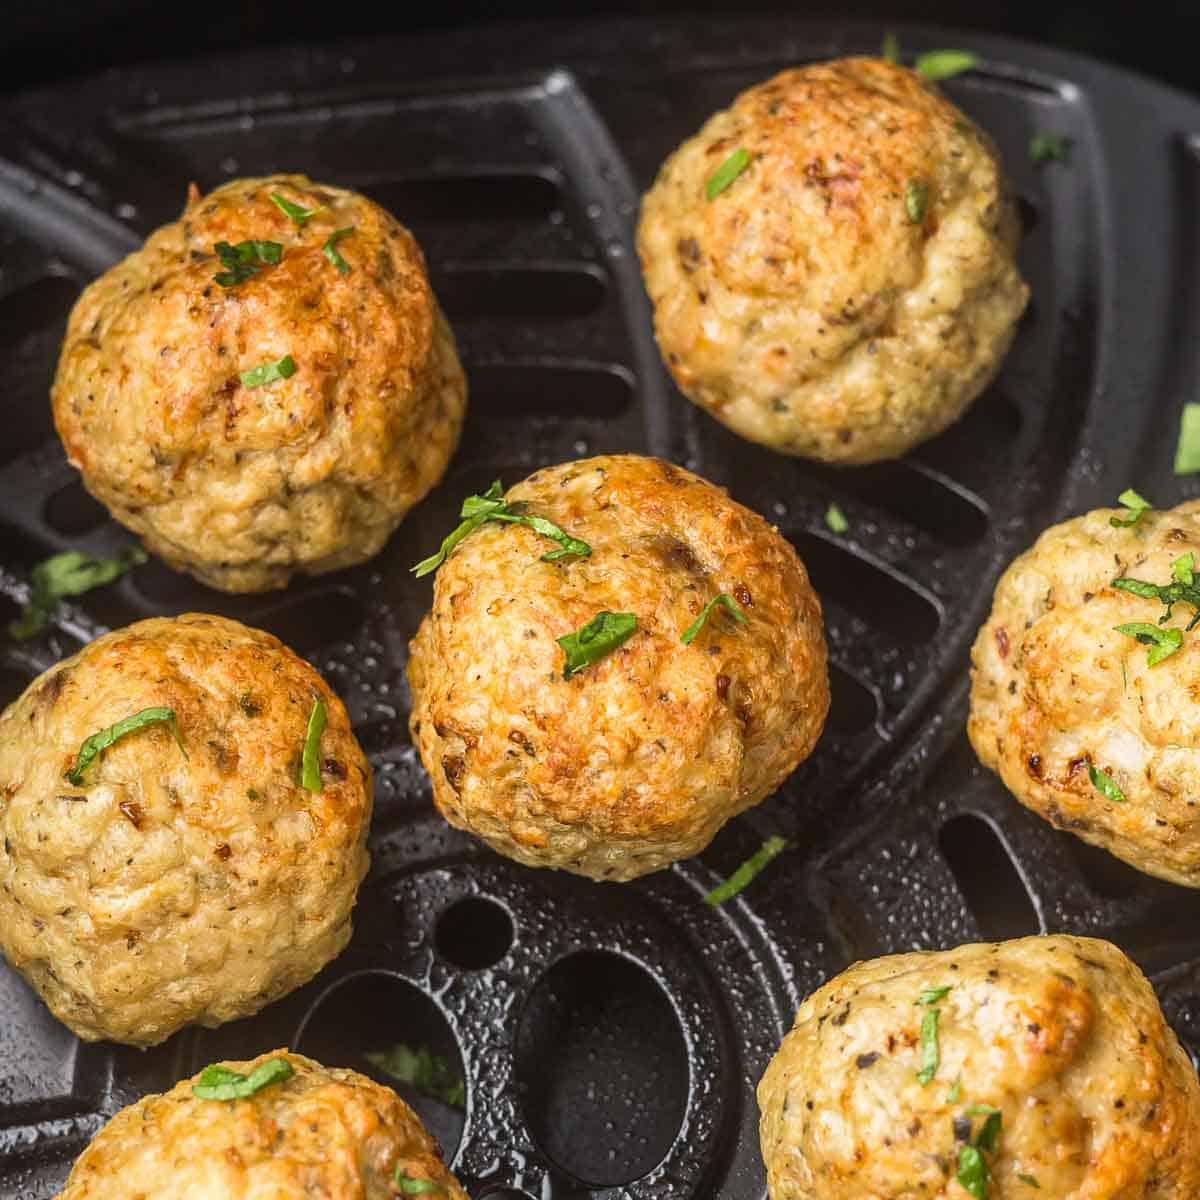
{"points": [[611, 1036]]}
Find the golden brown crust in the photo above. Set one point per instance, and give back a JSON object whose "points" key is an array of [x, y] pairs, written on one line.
{"points": [[323, 1134], [803, 307], [1063, 1035], [1055, 687], [638, 760], [167, 890], [245, 486]]}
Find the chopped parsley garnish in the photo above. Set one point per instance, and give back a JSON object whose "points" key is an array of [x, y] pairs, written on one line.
{"points": [[955, 1093], [836, 519], [1187, 450], [220, 1083], [101, 740], [890, 50], [973, 1171], [244, 260], [726, 173], [429, 1073], [771, 848], [989, 1132], [1029, 1179], [937, 65], [1162, 642], [410, 1186], [269, 372], [591, 642], [1184, 569], [297, 212], [1169, 594], [1104, 783], [1136, 505], [331, 252], [310, 763], [1049, 147], [931, 1053], [491, 506], [916, 200], [934, 995], [735, 610], [68, 574]]}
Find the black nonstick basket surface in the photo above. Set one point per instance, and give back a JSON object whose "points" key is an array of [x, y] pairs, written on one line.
{"points": [[610, 1035]]}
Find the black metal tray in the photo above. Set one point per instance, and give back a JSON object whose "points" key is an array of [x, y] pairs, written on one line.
{"points": [[611, 1036]]}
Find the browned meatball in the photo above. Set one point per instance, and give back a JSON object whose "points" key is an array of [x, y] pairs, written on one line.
{"points": [[241, 482], [1054, 1075], [322, 1133], [638, 759], [184, 879], [853, 289]]}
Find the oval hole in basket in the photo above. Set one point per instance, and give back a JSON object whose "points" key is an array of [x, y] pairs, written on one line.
{"points": [[518, 293], [474, 933], [988, 878], [372, 1012], [603, 1068], [473, 197], [862, 588], [533, 389], [71, 511]]}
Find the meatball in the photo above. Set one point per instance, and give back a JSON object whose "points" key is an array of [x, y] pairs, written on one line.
{"points": [[638, 758], [276, 415], [317, 1132], [852, 289], [187, 871], [1091, 727], [991, 1070]]}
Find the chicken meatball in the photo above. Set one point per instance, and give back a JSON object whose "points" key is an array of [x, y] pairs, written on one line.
{"points": [[557, 706], [1036, 1067], [181, 839], [266, 387], [1083, 702], [309, 1131], [831, 262]]}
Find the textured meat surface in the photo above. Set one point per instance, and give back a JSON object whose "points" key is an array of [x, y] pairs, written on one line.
{"points": [[168, 890], [323, 1134], [637, 760], [803, 306], [1055, 689], [244, 486], [1062, 1035]]}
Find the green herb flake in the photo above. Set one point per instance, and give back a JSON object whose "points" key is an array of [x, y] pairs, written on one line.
{"points": [[937, 65], [1162, 642], [1103, 782], [220, 1083], [429, 1073], [931, 1054], [934, 995], [1168, 594], [1136, 505], [244, 260], [269, 372], [310, 766], [1184, 569], [973, 1171], [292, 210], [410, 1186], [102, 739], [836, 519], [770, 849], [726, 173], [1187, 450], [723, 598], [955, 1093], [1049, 147], [491, 506], [603, 634], [916, 200], [68, 574], [1028, 1179], [890, 50], [331, 252], [989, 1133]]}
